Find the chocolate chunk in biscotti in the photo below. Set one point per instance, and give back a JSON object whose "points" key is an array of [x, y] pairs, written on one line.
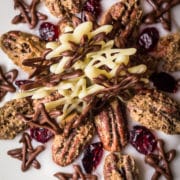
{"points": [[20, 45], [65, 149], [125, 16], [61, 8], [155, 110], [10, 123], [120, 167], [111, 126]]}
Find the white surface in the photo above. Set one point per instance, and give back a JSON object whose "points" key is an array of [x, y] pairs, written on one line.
{"points": [[10, 168]]}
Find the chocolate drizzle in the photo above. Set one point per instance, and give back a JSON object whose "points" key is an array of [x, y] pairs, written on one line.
{"points": [[78, 174], [160, 162], [42, 119], [161, 12], [6, 82], [27, 154], [40, 65], [51, 79], [28, 13]]}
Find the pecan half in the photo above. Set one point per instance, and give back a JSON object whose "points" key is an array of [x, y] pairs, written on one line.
{"points": [[66, 149], [125, 16], [155, 110], [112, 127], [120, 167], [20, 45]]}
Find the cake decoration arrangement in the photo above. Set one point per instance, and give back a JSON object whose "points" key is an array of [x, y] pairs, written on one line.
{"points": [[95, 74]]}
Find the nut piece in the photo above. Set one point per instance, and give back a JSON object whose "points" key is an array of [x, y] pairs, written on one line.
{"points": [[155, 110], [125, 16], [168, 50], [10, 124], [20, 45], [59, 8], [112, 126], [66, 149], [120, 167]]}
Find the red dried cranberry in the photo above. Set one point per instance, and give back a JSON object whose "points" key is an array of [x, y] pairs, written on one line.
{"points": [[22, 82], [142, 139], [148, 39], [164, 82], [92, 156], [48, 31], [93, 6], [41, 134]]}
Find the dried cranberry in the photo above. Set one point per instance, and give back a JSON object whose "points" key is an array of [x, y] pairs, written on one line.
{"points": [[93, 6], [164, 82], [48, 31], [41, 134], [142, 139], [92, 156], [148, 39], [22, 82]]}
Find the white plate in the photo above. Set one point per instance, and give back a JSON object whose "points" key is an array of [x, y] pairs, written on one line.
{"points": [[10, 168]]}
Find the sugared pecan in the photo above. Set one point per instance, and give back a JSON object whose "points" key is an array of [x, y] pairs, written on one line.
{"points": [[120, 167], [66, 149], [112, 127], [155, 110], [125, 17]]}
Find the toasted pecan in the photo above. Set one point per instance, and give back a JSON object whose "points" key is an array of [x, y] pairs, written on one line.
{"points": [[112, 126], [120, 167], [125, 16], [60, 8]]}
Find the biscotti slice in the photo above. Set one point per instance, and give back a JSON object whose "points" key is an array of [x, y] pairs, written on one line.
{"points": [[65, 149], [20, 45], [111, 126], [10, 123], [168, 50], [155, 110], [120, 167]]}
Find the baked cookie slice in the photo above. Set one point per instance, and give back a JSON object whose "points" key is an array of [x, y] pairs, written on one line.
{"points": [[65, 149], [10, 123], [20, 45], [155, 110], [120, 167], [60, 8], [168, 50]]}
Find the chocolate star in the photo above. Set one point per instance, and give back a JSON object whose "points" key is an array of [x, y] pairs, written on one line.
{"points": [[161, 161], [6, 81], [27, 154], [161, 12], [42, 119], [78, 174], [28, 13]]}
